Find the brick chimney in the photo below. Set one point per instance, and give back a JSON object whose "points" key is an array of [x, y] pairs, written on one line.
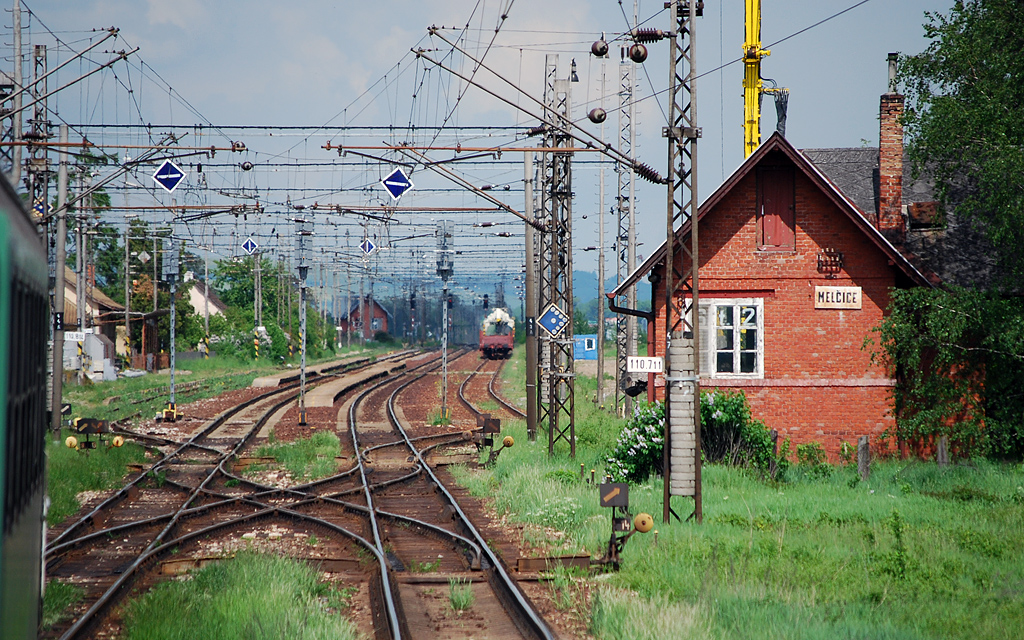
{"points": [[890, 161]]}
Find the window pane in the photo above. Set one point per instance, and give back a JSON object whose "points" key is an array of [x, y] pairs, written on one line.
{"points": [[725, 316], [725, 362], [724, 339], [748, 316], [748, 339], [748, 362]]}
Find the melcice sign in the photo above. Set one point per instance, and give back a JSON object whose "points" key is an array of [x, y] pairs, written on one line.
{"points": [[837, 297]]}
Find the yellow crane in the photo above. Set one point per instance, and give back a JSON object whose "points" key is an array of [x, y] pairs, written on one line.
{"points": [[753, 86]]}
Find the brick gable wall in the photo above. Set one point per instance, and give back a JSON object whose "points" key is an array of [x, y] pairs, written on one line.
{"points": [[819, 383]]}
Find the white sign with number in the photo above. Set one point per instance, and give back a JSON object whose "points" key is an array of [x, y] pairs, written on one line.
{"points": [[74, 336], [643, 364]]}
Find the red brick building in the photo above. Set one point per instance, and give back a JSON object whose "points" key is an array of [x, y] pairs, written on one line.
{"points": [[379, 319], [794, 276]]}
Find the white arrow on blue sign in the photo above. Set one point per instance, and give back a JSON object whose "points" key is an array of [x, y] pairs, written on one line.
{"points": [[250, 246], [554, 320], [397, 183], [367, 246], [169, 176]]}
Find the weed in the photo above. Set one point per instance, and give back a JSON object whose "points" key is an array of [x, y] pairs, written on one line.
{"points": [[312, 540], [424, 567], [58, 600], [232, 482], [157, 479], [563, 476], [566, 588], [233, 600], [71, 473], [309, 458], [460, 594]]}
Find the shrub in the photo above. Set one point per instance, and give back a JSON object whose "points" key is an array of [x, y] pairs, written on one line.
{"points": [[729, 435], [383, 337], [812, 458], [638, 450]]}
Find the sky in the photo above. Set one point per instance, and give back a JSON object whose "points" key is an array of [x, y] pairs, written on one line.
{"points": [[330, 64]]}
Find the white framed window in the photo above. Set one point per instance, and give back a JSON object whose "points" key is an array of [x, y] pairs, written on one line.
{"points": [[375, 324], [733, 338], [589, 344]]}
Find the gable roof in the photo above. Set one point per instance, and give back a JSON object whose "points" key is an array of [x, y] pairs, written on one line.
{"points": [[96, 298], [778, 143]]}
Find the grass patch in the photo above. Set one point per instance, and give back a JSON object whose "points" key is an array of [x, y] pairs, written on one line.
{"points": [[914, 552], [307, 458], [460, 594], [424, 567], [70, 472], [58, 600], [250, 597]]}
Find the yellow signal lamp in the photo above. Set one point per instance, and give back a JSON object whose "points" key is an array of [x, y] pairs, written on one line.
{"points": [[643, 522], [71, 442]]}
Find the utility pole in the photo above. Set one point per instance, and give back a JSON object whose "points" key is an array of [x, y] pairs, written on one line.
{"points": [[206, 303], [531, 302], [681, 462], [303, 244], [127, 291], [445, 269], [80, 300], [58, 291], [170, 265], [257, 302], [600, 256]]}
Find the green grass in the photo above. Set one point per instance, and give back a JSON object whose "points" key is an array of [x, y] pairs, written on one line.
{"points": [[307, 458], [250, 597], [460, 594], [59, 597], [71, 472], [915, 552]]}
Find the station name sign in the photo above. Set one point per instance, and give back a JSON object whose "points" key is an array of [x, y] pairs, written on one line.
{"points": [[837, 297]]}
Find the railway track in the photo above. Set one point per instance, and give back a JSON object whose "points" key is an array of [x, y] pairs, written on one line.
{"points": [[386, 524]]}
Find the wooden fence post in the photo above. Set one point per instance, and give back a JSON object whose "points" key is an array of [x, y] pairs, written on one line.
{"points": [[863, 458]]}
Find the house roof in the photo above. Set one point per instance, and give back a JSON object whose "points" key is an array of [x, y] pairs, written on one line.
{"points": [[952, 248], [355, 307], [205, 290], [844, 203], [99, 299]]}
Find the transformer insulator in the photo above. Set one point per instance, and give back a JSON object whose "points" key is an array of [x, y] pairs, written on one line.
{"points": [[648, 173], [246, 166], [599, 48], [638, 53], [597, 115], [647, 35]]}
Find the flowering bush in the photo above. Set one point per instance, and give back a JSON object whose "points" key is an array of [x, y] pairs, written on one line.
{"points": [[638, 451]]}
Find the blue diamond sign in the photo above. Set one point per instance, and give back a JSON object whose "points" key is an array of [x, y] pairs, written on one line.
{"points": [[169, 176], [250, 246], [554, 320], [397, 183], [367, 246]]}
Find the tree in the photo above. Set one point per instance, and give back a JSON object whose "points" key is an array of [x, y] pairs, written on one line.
{"points": [[965, 117], [958, 356]]}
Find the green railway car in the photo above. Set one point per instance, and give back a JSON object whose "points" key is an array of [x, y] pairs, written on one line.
{"points": [[24, 332]]}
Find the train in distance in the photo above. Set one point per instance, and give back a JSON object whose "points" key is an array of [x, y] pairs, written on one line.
{"points": [[24, 331], [497, 335]]}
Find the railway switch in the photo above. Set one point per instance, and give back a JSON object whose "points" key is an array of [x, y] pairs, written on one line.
{"points": [[506, 443], [615, 495]]}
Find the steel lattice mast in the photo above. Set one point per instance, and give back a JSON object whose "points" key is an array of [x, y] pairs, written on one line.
{"points": [[681, 285], [556, 262], [625, 239]]}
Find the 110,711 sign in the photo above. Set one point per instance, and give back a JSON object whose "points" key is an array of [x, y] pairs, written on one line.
{"points": [[643, 364]]}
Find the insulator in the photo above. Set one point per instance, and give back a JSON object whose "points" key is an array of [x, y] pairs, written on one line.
{"points": [[238, 146], [638, 53], [597, 115], [648, 173], [247, 166], [599, 48], [647, 35], [536, 131]]}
